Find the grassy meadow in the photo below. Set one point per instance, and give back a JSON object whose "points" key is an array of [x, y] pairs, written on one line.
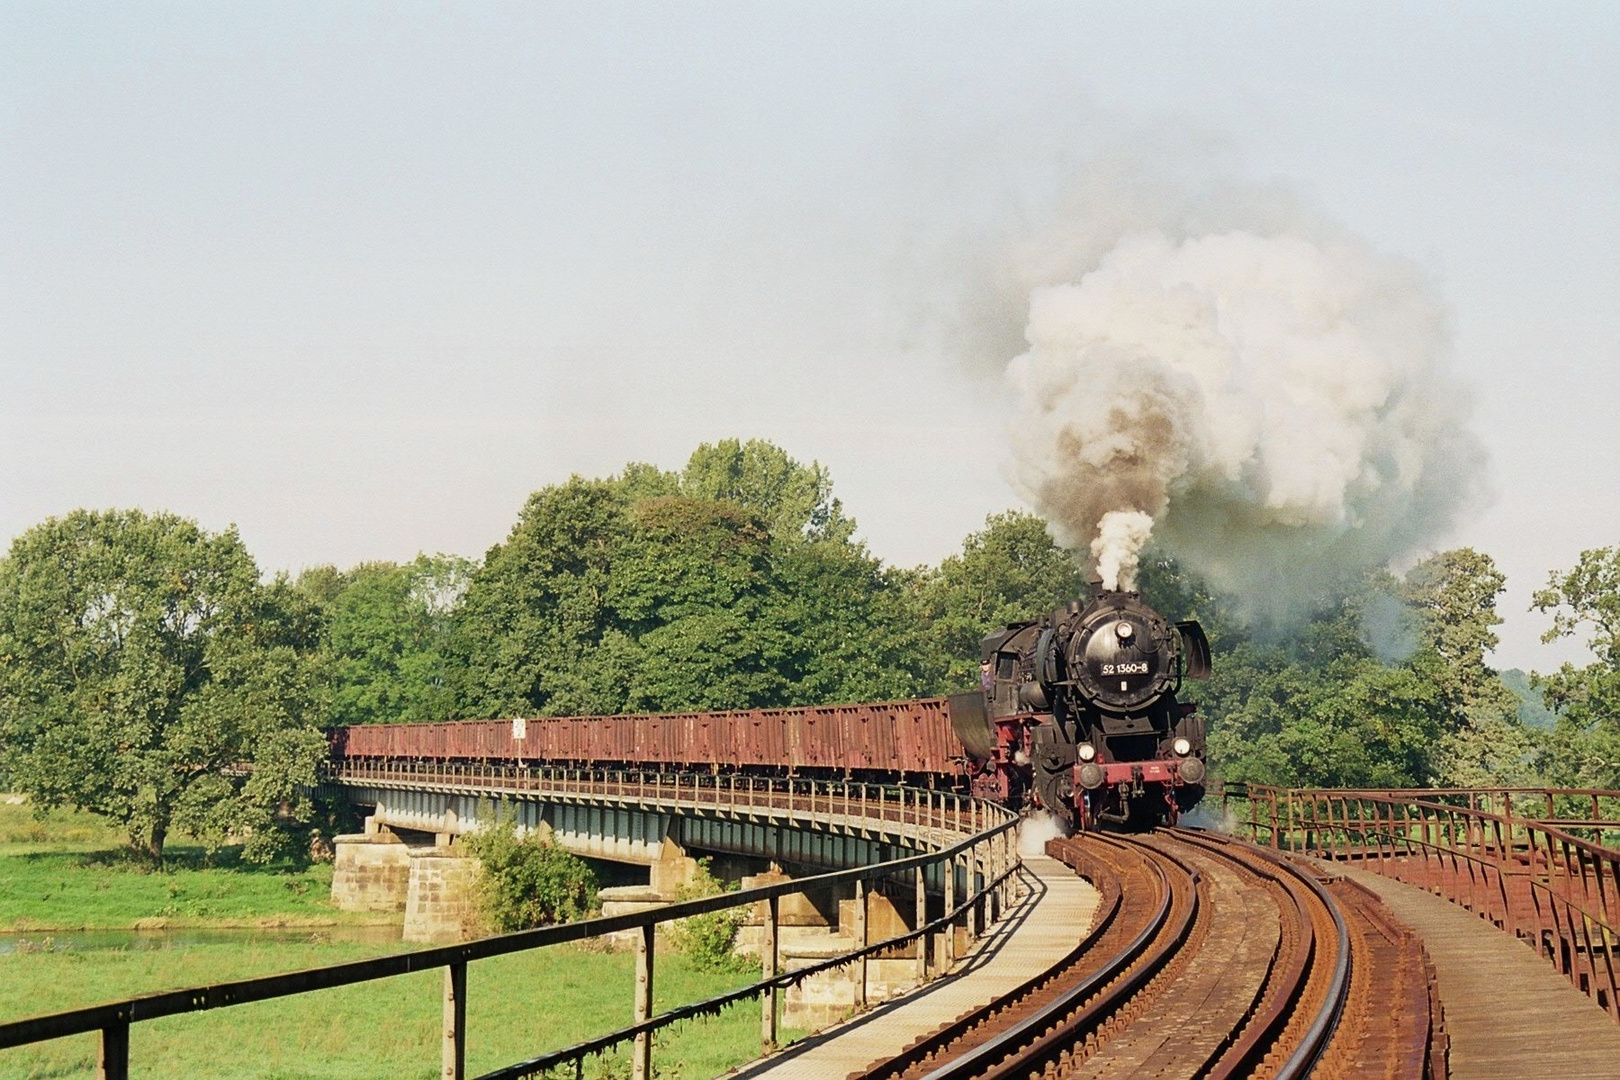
{"points": [[68, 872]]}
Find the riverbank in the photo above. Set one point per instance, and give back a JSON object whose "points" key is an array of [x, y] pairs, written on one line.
{"points": [[70, 872]]}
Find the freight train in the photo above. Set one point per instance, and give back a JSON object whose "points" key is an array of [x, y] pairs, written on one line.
{"points": [[1076, 713]]}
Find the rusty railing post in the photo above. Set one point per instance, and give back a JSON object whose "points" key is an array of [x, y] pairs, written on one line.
{"points": [[1504, 867], [970, 864], [920, 876], [767, 997], [453, 1048], [641, 1055], [861, 942], [949, 868]]}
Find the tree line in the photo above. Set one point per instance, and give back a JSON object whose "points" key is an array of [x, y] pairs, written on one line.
{"points": [[149, 672]]}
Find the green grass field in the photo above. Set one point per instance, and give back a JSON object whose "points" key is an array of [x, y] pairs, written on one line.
{"points": [[518, 1006], [69, 871]]}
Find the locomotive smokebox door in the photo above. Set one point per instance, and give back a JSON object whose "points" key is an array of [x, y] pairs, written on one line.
{"points": [[1119, 660]]}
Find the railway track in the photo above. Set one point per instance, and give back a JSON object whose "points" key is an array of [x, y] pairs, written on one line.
{"points": [[1208, 958]]}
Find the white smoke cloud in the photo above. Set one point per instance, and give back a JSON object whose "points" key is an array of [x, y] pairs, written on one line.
{"points": [[1277, 404], [1121, 535]]}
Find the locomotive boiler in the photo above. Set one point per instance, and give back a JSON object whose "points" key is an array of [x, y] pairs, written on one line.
{"points": [[1078, 713]]}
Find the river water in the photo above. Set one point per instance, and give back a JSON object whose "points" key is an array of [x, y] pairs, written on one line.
{"points": [[142, 940]]}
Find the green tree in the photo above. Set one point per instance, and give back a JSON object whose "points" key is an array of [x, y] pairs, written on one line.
{"points": [[1009, 571], [148, 676], [537, 630], [694, 588], [1482, 742], [1178, 594], [791, 498], [835, 616], [1317, 707], [1586, 743], [734, 584], [388, 630], [848, 623]]}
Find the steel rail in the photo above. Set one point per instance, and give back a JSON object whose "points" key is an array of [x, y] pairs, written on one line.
{"points": [[1245, 1055], [1065, 1022], [1064, 1033]]}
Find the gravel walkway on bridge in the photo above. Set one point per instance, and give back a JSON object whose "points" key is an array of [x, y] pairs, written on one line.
{"points": [[1045, 923], [1509, 1014]]}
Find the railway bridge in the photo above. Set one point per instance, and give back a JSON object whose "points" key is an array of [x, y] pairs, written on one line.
{"points": [[646, 831], [1359, 934]]}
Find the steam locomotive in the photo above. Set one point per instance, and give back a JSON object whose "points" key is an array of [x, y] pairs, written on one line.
{"points": [[1078, 714]]}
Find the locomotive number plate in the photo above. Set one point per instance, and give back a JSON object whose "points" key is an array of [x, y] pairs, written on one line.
{"points": [[1138, 668]]}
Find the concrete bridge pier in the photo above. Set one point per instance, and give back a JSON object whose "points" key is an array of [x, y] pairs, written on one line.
{"points": [[371, 871], [432, 887], [667, 875], [439, 904]]}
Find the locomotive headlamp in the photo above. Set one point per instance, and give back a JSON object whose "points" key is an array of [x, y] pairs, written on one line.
{"points": [[1124, 630], [1182, 747], [1086, 751]]}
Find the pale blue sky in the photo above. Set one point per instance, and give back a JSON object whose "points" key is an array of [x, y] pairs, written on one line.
{"points": [[359, 277]]}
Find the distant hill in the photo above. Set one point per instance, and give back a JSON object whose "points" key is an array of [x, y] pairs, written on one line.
{"points": [[1532, 713]]}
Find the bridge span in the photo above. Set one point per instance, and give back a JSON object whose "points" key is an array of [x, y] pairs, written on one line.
{"points": [[660, 821]]}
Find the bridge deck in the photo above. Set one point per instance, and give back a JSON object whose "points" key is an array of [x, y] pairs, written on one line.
{"points": [[1045, 923], [1509, 1014]]}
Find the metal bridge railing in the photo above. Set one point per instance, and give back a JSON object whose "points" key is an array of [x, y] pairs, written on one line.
{"points": [[924, 814], [978, 874], [1514, 856]]}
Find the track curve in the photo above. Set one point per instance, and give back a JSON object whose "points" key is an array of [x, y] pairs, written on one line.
{"points": [[1209, 957]]}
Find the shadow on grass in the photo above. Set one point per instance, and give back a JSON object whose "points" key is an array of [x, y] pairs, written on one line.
{"points": [[177, 857]]}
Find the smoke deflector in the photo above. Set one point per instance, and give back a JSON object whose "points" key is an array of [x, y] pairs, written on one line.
{"points": [[1194, 649]]}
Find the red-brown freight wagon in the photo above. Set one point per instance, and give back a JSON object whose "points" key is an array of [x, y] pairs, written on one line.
{"points": [[896, 738]]}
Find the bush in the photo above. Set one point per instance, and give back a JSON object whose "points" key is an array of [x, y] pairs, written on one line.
{"points": [[707, 940], [529, 881]]}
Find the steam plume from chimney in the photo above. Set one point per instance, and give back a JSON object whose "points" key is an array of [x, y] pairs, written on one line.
{"points": [[1274, 409]]}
